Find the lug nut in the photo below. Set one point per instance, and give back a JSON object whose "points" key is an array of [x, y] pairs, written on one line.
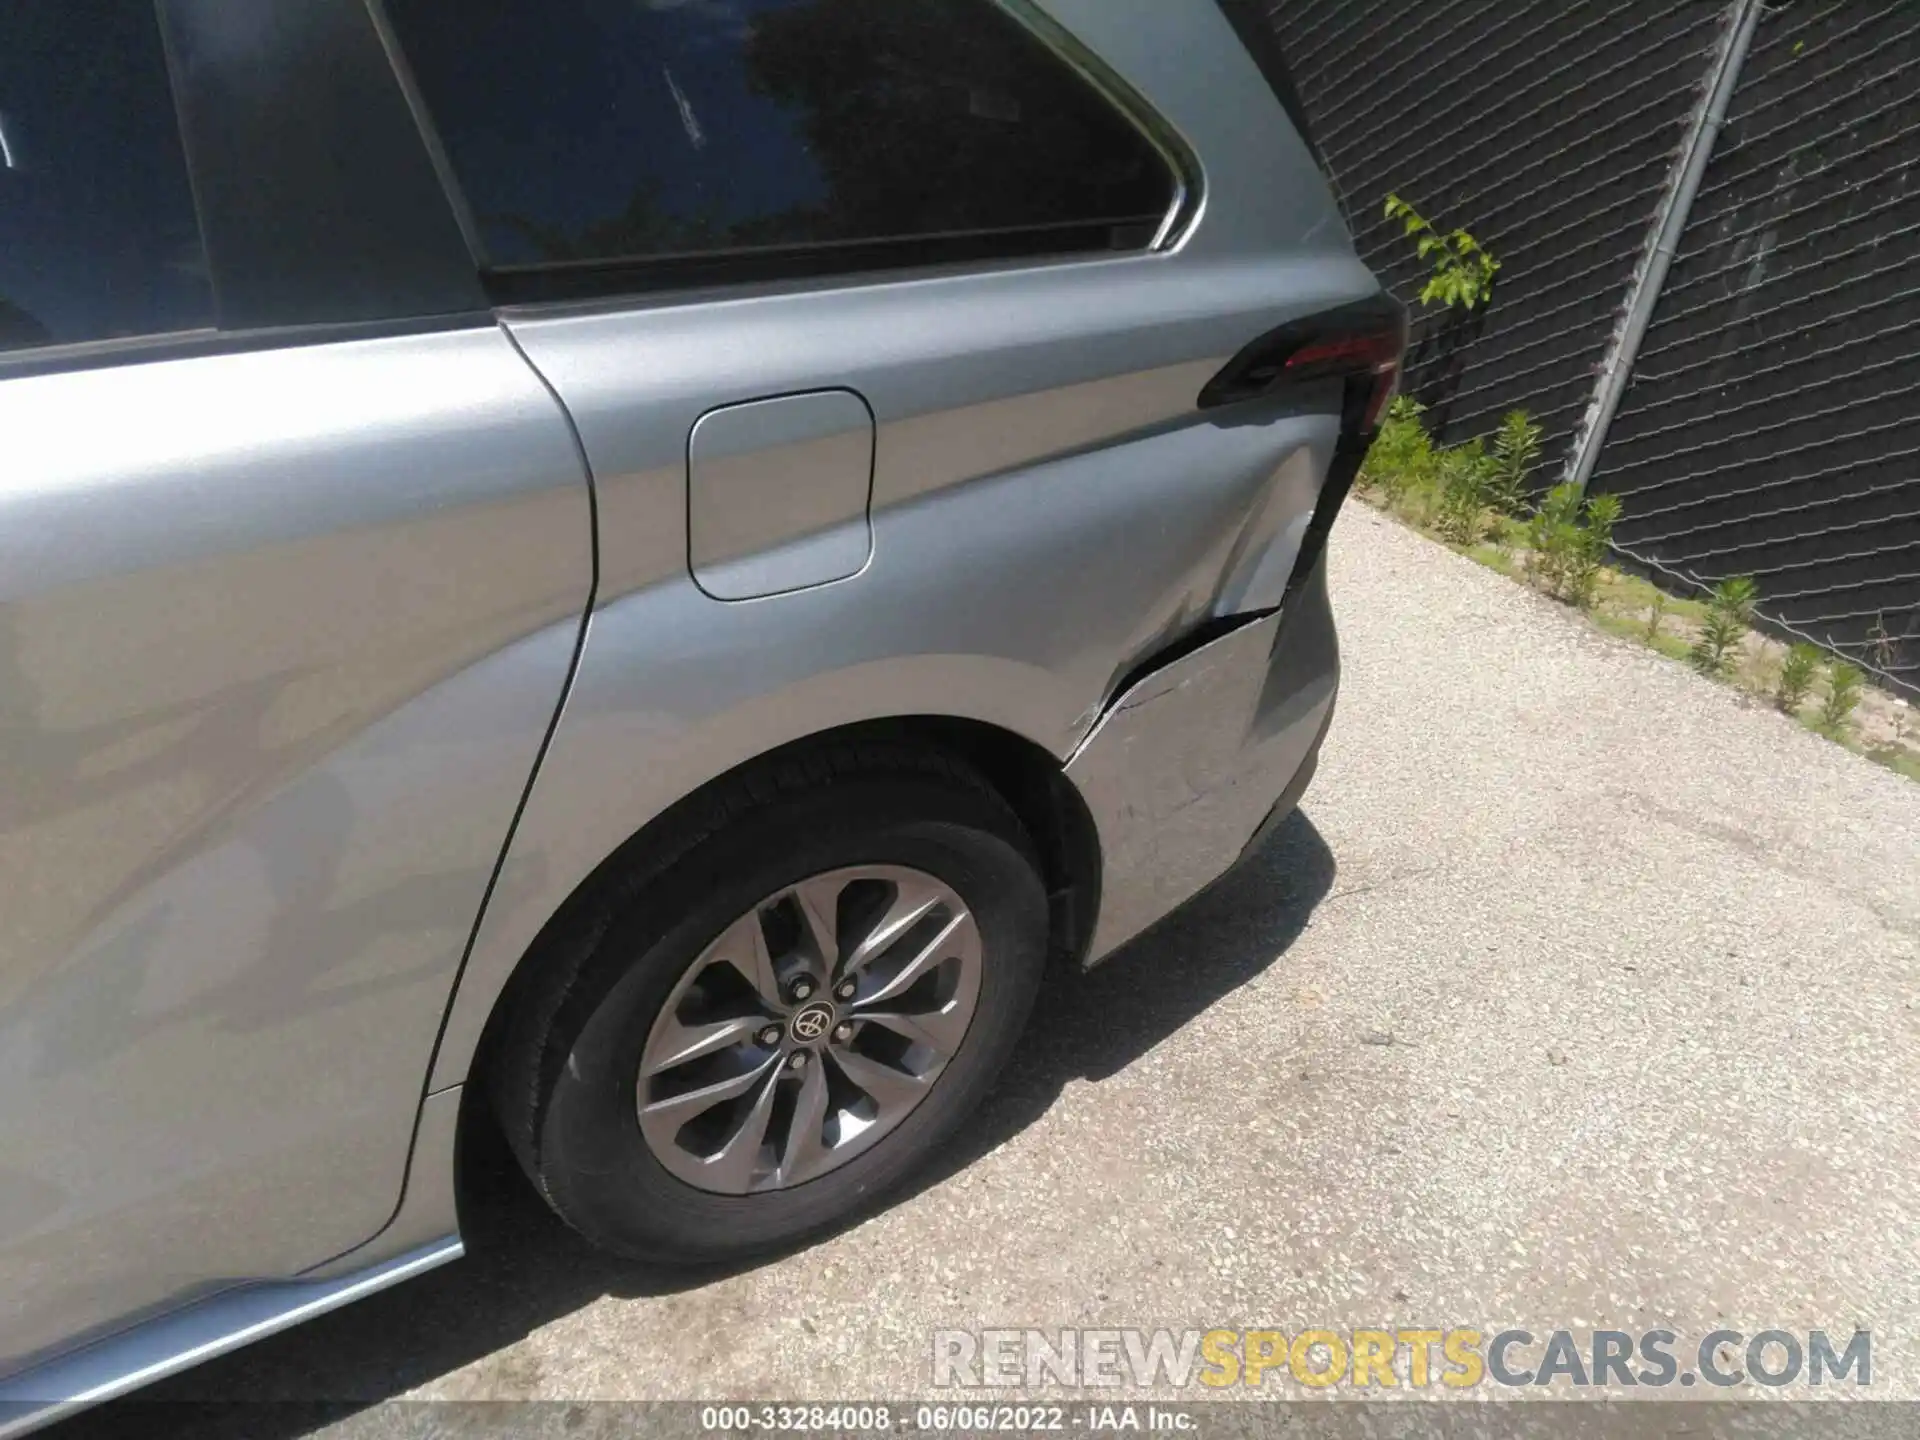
{"points": [[843, 1032], [797, 1060], [848, 989], [801, 989], [770, 1035]]}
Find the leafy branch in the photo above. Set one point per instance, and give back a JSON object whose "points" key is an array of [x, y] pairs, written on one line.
{"points": [[1463, 270]]}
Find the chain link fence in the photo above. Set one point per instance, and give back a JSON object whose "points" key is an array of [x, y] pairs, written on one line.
{"points": [[1545, 129], [1772, 426], [1769, 428]]}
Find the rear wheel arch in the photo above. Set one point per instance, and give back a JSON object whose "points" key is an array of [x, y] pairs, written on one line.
{"points": [[1021, 774]]}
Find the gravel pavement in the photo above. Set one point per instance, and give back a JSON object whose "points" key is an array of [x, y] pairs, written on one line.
{"points": [[1580, 993]]}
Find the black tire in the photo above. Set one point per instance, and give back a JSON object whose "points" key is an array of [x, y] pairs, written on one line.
{"points": [[565, 1070]]}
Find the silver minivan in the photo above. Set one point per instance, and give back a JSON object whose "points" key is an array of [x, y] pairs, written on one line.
{"points": [[635, 566]]}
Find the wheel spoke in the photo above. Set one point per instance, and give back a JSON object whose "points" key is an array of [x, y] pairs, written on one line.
{"points": [[732, 1165], [911, 903], [819, 900], [932, 953], [885, 1084], [748, 1116], [743, 945], [675, 1043], [806, 1145], [939, 1030], [670, 1114]]}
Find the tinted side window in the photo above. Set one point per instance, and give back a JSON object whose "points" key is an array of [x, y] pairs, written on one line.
{"points": [[634, 130], [98, 238]]}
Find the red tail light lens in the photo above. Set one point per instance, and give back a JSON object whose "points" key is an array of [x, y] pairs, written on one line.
{"points": [[1363, 342], [1376, 355]]}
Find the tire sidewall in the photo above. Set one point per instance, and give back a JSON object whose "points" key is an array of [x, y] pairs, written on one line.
{"points": [[596, 1165]]}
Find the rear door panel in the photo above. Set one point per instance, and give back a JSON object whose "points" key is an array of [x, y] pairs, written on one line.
{"points": [[280, 637]]}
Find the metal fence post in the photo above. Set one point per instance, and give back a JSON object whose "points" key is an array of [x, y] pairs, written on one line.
{"points": [[1670, 223]]}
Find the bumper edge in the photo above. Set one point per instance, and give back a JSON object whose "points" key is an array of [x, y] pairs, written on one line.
{"points": [[1194, 763]]}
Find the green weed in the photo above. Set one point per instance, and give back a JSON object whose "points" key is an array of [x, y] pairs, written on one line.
{"points": [[1656, 612], [1898, 759], [1402, 456], [1729, 613], [1796, 677], [1464, 475], [1843, 695], [1516, 447], [1569, 536]]}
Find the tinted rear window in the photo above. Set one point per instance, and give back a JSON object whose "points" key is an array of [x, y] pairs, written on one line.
{"points": [[98, 237]]}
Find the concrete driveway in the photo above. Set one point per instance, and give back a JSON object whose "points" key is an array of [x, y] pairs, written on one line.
{"points": [[1580, 994]]}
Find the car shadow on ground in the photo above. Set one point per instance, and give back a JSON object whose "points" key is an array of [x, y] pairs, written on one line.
{"points": [[524, 1269]]}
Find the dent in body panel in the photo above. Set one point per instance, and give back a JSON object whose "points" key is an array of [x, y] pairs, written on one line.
{"points": [[966, 375], [1049, 509], [1187, 763], [1017, 600], [1168, 750], [279, 637]]}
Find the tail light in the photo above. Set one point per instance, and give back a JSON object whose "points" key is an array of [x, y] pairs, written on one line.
{"points": [[1374, 359], [1361, 343]]}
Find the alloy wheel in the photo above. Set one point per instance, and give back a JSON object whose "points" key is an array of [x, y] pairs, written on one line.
{"points": [[809, 1028]]}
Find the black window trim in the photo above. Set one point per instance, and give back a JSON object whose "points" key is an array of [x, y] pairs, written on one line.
{"points": [[294, 238], [194, 344], [850, 260], [429, 131], [573, 283]]}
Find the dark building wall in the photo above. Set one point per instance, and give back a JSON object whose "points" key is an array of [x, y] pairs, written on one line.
{"points": [[1772, 423], [1544, 129], [1772, 427]]}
